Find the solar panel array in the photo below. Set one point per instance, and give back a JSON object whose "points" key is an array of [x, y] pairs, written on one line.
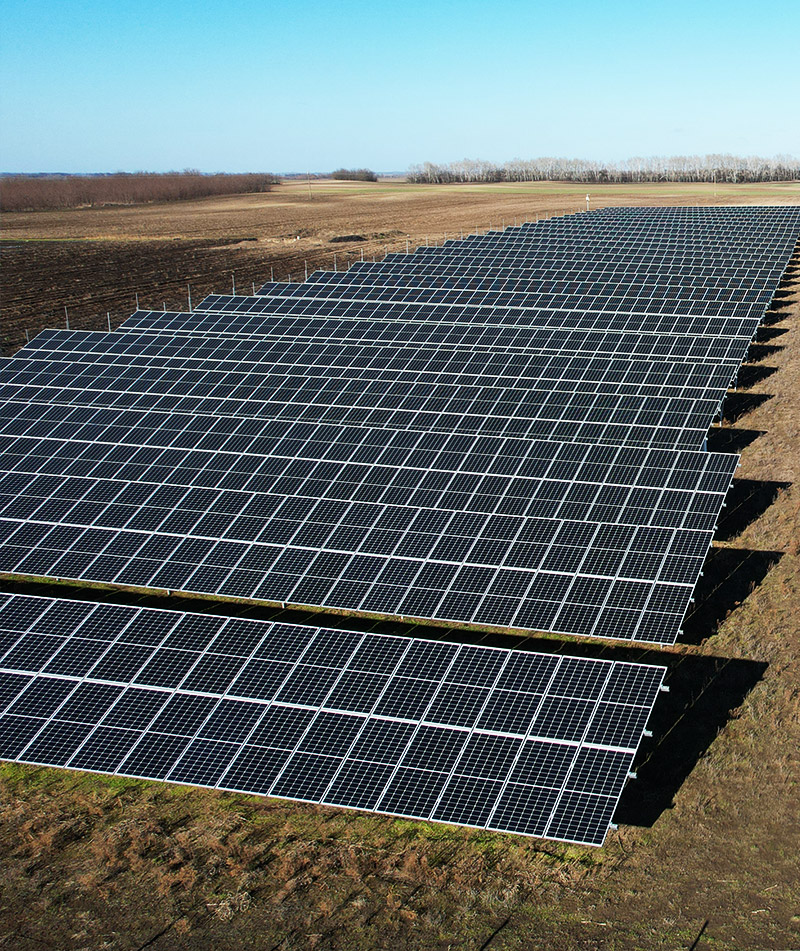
{"points": [[611, 330], [508, 430]]}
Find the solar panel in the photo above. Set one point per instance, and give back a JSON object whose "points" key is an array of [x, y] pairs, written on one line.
{"points": [[577, 540], [521, 742], [617, 314], [604, 342], [596, 412], [634, 298], [504, 431], [258, 357]]}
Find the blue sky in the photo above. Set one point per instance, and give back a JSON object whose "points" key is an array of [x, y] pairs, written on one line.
{"points": [[305, 85]]}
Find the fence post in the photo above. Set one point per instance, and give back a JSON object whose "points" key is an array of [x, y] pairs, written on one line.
{"points": [[189, 293]]}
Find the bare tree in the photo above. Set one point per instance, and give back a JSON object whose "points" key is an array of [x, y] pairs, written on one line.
{"points": [[729, 169]]}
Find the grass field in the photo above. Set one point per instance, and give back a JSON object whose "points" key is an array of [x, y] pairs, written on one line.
{"points": [[705, 856]]}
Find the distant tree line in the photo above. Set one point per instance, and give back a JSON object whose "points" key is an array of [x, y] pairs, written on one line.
{"points": [[355, 175], [678, 168], [39, 193]]}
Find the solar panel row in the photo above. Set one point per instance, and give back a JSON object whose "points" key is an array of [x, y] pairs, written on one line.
{"points": [[536, 744]]}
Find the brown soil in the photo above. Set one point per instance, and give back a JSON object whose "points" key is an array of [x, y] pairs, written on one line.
{"points": [[706, 855]]}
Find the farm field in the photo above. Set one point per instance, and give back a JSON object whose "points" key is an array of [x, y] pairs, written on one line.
{"points": [[706, 851], [94, 261]]}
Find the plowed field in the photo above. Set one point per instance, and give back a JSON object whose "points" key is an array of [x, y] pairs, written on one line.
{"points": [[95, 261]]}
